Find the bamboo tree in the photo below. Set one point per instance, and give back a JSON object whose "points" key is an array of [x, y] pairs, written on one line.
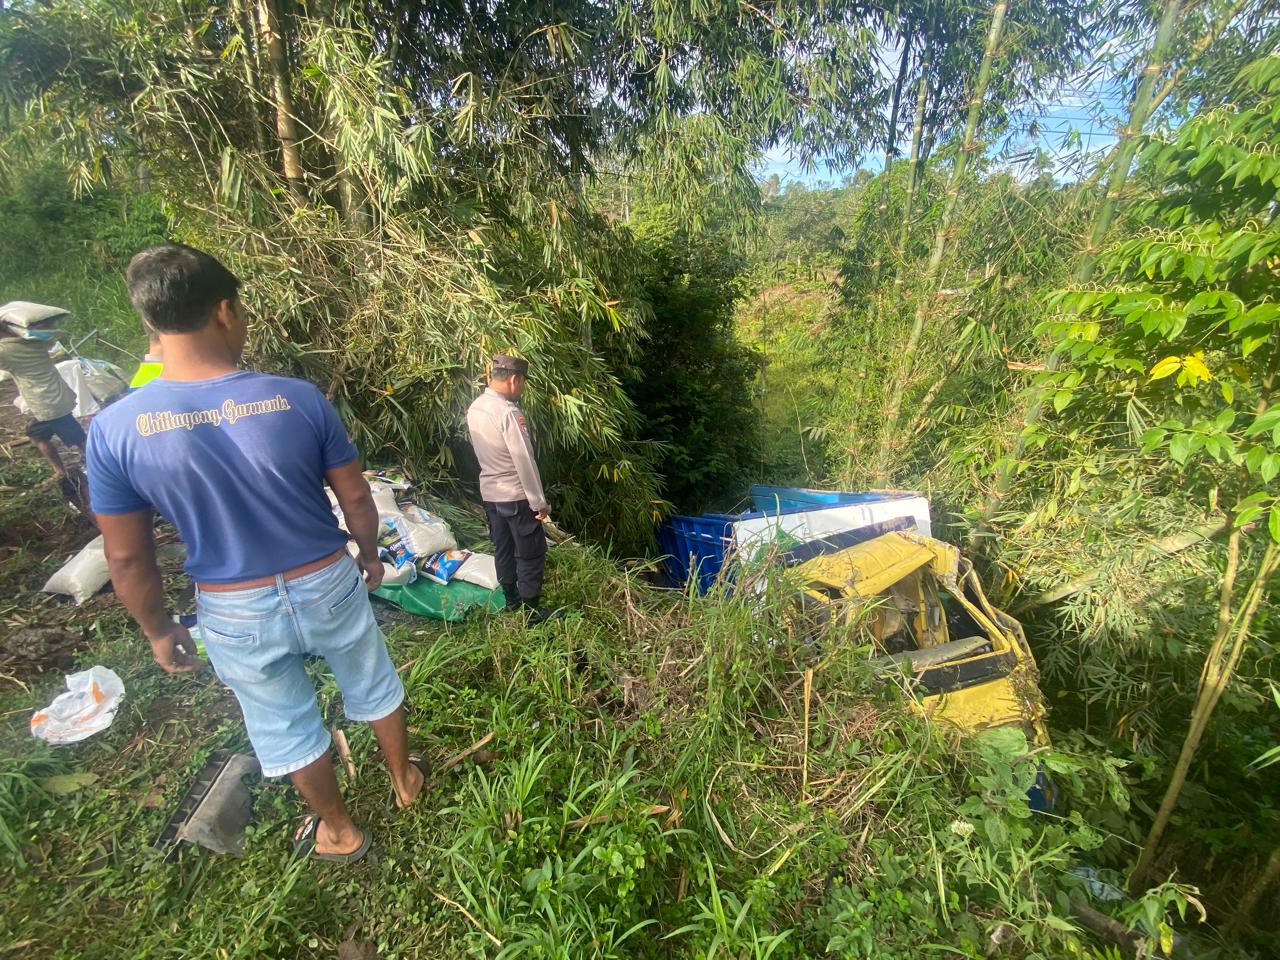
{"points": [[1201, 46], [351, 195], [891, 134], [882, 208], [1139, 114], [969, 146], [917, 132], [286, 118], [249, 60], [1140, 111], [1229, 642]]}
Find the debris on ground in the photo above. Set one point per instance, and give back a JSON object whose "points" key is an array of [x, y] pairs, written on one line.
{"points": [[216, 808], [34, 649], [88, 706]]}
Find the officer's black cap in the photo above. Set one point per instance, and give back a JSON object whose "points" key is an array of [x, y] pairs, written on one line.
{"points": [[506, 362]]}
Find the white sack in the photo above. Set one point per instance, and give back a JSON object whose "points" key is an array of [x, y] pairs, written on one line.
{"points": [[83, 575], [425, 539], [480, 570], [94, 382]]}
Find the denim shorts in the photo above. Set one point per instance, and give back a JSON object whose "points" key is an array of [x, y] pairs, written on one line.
{"points": [[257, 638]]}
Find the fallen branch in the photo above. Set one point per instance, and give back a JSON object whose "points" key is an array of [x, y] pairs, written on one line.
{"points": [[344, 752], [804, 756], [1118, 933], [457, 758], [467, 913]]}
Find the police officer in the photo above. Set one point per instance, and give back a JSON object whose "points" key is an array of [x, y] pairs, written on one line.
{"points": [[510, 485]]}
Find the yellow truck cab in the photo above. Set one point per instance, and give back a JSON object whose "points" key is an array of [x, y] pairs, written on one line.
{"points": [[966, 662]]}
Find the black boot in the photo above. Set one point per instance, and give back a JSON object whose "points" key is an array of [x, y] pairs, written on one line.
{"points": [[512, 594], [536, 613]]}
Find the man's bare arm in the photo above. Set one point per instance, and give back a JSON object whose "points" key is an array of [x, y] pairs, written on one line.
{"points": [[361, 516], [130, 546]]}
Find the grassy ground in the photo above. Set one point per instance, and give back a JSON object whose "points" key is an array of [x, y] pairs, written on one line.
{"points": [[657, 785]]}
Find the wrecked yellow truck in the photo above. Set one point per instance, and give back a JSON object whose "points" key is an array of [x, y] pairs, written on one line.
{"points": [[966, 662]]}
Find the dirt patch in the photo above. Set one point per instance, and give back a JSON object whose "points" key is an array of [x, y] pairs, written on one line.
{"points": [[27, 650], [357, 950]]}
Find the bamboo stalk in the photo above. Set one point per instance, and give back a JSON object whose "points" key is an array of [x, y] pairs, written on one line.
{"points": [[1166, 546], [804, 759], [1270, 874], [893, 412], [1139, 113], [249, 60], [1197, 51], [286, 123], [917, 132], [891, 141], [1220, 665], [344, 751], [458, 757]]}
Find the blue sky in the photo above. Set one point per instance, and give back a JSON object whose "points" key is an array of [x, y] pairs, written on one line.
{"points": [[1074, 124]]}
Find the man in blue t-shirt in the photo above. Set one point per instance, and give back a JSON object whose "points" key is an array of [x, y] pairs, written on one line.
{"points": [[237, 461]]}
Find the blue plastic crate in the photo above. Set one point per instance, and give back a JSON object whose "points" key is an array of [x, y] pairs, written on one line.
{"points": [[697, 546]]}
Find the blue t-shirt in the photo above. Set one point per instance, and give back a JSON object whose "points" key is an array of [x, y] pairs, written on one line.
{"points": [[236, 463]]}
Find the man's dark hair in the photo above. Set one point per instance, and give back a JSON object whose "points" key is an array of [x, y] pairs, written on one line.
{"points": [[176, 287]]}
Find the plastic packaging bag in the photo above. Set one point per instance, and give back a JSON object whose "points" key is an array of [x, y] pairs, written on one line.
{"points": [[403, 575], [444, 565], [83, 575], [105, 380], [425, 539], [384, 498], [89, 705], [480, 570], [397, 555]]}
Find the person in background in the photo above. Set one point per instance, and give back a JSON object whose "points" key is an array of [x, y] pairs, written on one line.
{"points": [[510, 486], [237, 462], [49, 400], [152, 364]]}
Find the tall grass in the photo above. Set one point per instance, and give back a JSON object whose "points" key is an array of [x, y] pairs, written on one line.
{"points": [[654, 787]]}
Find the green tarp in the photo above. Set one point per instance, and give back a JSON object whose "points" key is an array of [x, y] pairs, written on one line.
{"points": [[426, 598]]}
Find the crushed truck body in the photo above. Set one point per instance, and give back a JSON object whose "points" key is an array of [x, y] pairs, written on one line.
{"points": [[868, 558], [964, 661]]}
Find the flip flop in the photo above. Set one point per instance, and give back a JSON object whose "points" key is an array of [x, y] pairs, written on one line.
{"points": [[393, 807], [304, 843]]}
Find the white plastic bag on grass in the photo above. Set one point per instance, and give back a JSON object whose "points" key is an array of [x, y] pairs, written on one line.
{"points": [[480, 570], [83, 575], [89, 705]]}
